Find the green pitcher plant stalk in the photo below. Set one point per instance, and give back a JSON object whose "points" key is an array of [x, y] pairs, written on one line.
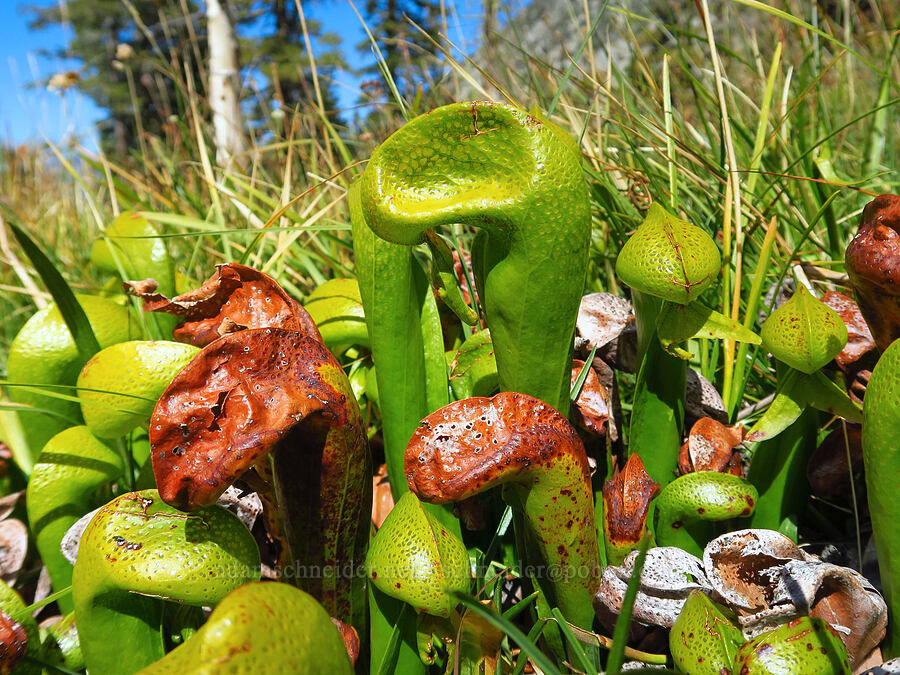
{"points": [[881, 454], [778, 471], [405, 338], [517, 177], [525, 445], [138, 551], [668, 263]]}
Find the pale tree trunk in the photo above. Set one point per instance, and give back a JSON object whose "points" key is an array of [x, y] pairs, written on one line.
{"points": [[224, 81]]}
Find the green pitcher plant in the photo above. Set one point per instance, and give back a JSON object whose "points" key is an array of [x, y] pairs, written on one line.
{"points": [[523, 444], [415, 559], [687, 506], [668, 263], [137, 552], [44, 364], [518, 178], [261, 627], [706, 640], [803, 335]]}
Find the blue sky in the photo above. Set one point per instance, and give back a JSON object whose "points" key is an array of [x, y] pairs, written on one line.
{"points": [[29, 114]]}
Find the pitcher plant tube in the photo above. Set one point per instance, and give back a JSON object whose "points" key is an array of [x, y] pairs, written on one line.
{"points": [[668, 263], [266, 390], [138, 551], [517, 177], [522, 443], [881, 454]]}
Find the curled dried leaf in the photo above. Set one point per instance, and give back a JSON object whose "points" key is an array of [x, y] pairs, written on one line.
{"points": [[142, 288], [769, 580], [626, 501], [236, 295], [860, 350], [601, 318], [742, 566], [873, 264], [710, 447], [232, 403], [350, 638], [8, 503], [591, 408], [13, 548], [72, 539], [668, 577], [891, 667], [702, 399], [247, 507]]}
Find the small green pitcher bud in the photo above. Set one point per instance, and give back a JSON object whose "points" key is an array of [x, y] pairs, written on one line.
{"points": [[804, 646], [669, 258], [417, 560], [705, 637], [804, 332]]}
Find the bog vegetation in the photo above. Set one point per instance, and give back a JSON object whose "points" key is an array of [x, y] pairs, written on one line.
{"points": [[709, 167]]}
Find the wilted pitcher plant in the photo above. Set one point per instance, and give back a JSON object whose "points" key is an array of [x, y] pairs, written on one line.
{"points": [[199, 460]]}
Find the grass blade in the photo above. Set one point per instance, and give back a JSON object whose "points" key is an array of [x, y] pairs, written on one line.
{"points": [[527, 646], [72, 313]]}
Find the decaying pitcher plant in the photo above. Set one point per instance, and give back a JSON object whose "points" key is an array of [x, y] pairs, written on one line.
{"points": [[269, 396]]}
